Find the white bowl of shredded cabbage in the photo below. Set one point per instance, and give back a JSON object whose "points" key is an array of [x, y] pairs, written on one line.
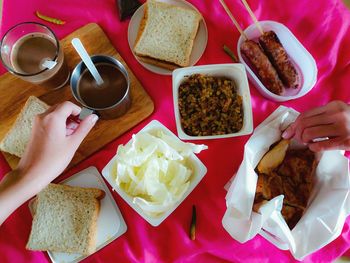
{"points": [[155, 171]]}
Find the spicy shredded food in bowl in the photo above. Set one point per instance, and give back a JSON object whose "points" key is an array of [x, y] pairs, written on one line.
{"points": [[210, 106]]}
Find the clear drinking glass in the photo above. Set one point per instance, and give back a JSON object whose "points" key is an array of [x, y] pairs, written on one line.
{"points": [[32, 52]]}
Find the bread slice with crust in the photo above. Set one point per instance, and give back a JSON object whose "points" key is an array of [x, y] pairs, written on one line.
{"points": [[166, 35], [158, 63], [17, 138], [65, 219]]}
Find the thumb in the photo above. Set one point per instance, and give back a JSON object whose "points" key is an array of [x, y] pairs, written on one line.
{"points": [[289, 132], [84, 128]]}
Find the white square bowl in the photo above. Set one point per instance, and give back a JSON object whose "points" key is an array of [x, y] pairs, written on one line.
{"points": [[199, 171], [237, 73], [300, 57]]}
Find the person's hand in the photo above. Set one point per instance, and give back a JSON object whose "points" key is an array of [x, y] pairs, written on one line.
{"points": [[53, 143], [331, 122]]}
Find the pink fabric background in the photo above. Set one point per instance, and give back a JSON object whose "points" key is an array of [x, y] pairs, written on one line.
{"points": [[322, 26]]}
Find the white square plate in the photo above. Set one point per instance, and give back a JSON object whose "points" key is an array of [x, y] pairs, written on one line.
{"points": [[237, 73], [110, 223], [199, 171]]}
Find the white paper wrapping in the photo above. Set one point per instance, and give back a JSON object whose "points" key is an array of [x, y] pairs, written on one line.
{"points": [[329, 203]]}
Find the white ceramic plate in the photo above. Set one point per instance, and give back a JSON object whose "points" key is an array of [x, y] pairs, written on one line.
{"points": [[304, 62], [110, 223], [235, 72], [199, 45], [199, 171]]}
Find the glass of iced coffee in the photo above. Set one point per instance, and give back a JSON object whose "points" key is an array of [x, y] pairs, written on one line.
{"points": [[32, 52]]}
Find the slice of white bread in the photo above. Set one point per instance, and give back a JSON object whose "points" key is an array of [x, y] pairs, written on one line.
{"points": [[65, 219], [166, 35], [16, 140]]}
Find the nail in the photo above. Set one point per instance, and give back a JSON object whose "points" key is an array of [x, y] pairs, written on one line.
{"points": [[285, 134]]}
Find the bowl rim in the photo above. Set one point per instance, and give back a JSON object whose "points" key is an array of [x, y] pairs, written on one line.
{"points": [[243, 88]]}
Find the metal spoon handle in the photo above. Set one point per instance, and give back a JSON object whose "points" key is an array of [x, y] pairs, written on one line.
{"points": [[87, 60]]}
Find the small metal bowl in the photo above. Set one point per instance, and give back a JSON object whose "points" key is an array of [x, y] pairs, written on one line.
{"points": [[116, 110]]}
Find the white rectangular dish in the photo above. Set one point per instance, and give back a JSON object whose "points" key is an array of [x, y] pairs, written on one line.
{"points": [[300, 57], [237, 73], [199, 171], [110, 223]]}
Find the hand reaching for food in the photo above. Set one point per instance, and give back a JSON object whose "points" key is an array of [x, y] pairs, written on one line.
{"points": [[53, 142], [51, 147], [323, 128]]}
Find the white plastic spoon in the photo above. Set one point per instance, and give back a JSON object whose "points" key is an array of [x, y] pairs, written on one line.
{"points": [[49, 64], [87, 60]]}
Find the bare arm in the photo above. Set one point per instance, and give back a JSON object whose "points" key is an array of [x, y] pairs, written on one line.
{"points": [[49, 151]]}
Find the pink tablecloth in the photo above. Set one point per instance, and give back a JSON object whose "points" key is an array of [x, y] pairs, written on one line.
{"points": [[322, 26]]}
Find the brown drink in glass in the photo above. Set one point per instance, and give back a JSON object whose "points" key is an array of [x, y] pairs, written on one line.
{"points": [[32, 52]]}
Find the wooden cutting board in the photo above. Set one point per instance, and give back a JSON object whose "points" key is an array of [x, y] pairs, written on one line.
{"points": [[14, 92]]}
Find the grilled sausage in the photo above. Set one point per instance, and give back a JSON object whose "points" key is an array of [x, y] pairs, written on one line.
{"points": [[279, 59], [262, 66]]}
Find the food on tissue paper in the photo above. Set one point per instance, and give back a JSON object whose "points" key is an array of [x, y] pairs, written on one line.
{"points": [[274, 157], [288, 172], [210, 106], [155, 169]]}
